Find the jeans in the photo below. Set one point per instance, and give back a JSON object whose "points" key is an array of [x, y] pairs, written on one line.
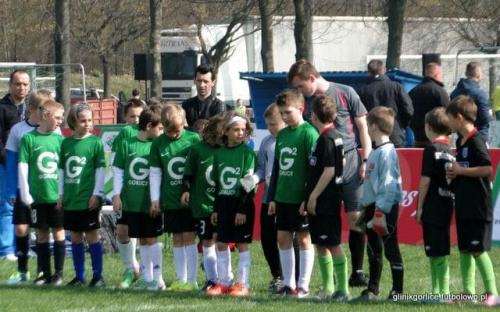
{"points": [[6, 211]]}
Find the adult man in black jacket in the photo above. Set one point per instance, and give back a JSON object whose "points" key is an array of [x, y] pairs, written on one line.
{"points": [[381, 91], [204, 105], [426, 96]]}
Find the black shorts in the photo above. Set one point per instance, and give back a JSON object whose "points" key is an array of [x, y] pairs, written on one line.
{"points": [[436, 240], [22, 212], [178, 221], [142, 225], [45, 216], [122, 217], [82, 220], [227, 231], [204, 228], [474, 235], [325, 230], [288, 218]]}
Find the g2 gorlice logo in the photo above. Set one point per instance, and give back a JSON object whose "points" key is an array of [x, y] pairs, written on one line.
{"points": [[175, 169], [228, 179], [287, 162], [74, 167], [139, 171], [208, 178], [47, 165]]}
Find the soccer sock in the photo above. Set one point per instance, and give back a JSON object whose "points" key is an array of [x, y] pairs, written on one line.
{"points": [[23, 245], [146, 262], [192, 263], [180, 263], [244, 268], [156, 261], [60, 255], [96, 255], [306, 267], [485, 267], [397, 271], [43, 259], [230, 264], [223, 260], [357, 248], [210, 263], [434, 276], [126, 252], [133, 255], [340, 266], [443, 274], [78, 252], [326, 268], [467, 270], [287, 259]]}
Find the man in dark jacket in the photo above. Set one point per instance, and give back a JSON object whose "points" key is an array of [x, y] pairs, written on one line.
{"points": [[204, 105], [381, 91], [426, 96], [12, 110], [470, 86]]}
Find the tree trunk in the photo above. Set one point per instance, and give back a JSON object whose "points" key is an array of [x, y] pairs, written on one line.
{"points": [[303, 30], [395, 22], [106, 70], [266, 52], [62, 52], [156, 13]]}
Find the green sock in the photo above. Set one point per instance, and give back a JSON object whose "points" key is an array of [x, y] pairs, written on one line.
{"points": [[467, 270], [434, 278], [340, 265], [486, 269], [326, 269], [443, 274]]}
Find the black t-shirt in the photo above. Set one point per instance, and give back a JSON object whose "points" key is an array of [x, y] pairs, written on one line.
{"points": [[197, 109], [473, 195], [328, 152], [438, 203]]}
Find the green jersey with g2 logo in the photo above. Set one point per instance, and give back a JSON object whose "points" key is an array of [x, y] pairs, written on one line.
{"points": [[41, 153], [170, 156], [134, 157], [125, 133], [79, 160]]}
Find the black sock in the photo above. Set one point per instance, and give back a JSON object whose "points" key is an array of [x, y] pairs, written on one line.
{"points": [[296, 250], [59, 255], [43, 258], [22, 245], [357, 248], [397, 271]]}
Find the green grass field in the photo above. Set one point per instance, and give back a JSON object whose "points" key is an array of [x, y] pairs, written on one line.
{"points": [[46, 298]]}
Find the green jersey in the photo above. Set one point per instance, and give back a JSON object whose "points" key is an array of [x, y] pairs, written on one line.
{"points": [[134, 158], [293, 148], [170, 156], [199, 164], [127, 132], [230, 165], [79, 160], [41, 153]]}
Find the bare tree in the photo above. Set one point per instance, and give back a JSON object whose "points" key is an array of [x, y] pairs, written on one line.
{"points": [[395, 21], [303, 30], [156, 13], [62, 51], [266, 52]]}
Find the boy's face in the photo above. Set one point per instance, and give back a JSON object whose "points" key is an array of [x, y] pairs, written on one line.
{"points": [[236, 134], [306, 87], [291, 115], [132, 116], [174, 132], [274, 125], [154, 132], [51, 120], [372, 129], [455, 122]]}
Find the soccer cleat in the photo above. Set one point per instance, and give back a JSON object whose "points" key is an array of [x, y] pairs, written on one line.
{"points": [[76, 282], [393, 295], [301, 293], [41, 280], [57, 279], [358, 280], [339, 296], [322, 295], [379, 223], [239, 290], [18, 278], [9, 257], [128, 279], [491, 300], [208, 285], [286, 291], [156, 285], [275, 285], [141, 284], [218, 290], [367, 295], [97, 282]]}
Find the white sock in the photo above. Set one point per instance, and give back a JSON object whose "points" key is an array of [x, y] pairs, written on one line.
{"points": [[192, 263], [137, 265], [180, 263], [223, 260], [230, 265], [306, 267], [146, 262], [210, 263], [287, 259], [244, 268], [157, 261], [126, 250]]}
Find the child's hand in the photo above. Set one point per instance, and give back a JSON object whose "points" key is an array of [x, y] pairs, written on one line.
{"points": [[302, 210], [311, 206], [453, 171], [185, 199], [59, 202], [213, 218], [93, 202], [240, 219], [117, 203], [271, 209], [154, 208]]}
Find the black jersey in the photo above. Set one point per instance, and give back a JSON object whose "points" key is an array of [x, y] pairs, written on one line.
{"points": [[438, 203], [473, 195]]}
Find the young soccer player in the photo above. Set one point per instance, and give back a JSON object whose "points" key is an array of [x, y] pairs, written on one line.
{"points": [[324, 179], [381, 197], [81, 185], [435, 200], [234, 209], [287, 192], [38, 183], [126, 246], [131, 195], [473, 205], [168, 158], [22, 214], [198, 191]]}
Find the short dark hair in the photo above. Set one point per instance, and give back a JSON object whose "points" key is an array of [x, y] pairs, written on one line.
{"points": [[463, 105], [438, 120], [205, 69], [11, 77], [473, 69], [290, 97], [324, 108], [383, 118], [375, 67], [151, 114], [136, 92], [132, 103], [302, 69]]}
